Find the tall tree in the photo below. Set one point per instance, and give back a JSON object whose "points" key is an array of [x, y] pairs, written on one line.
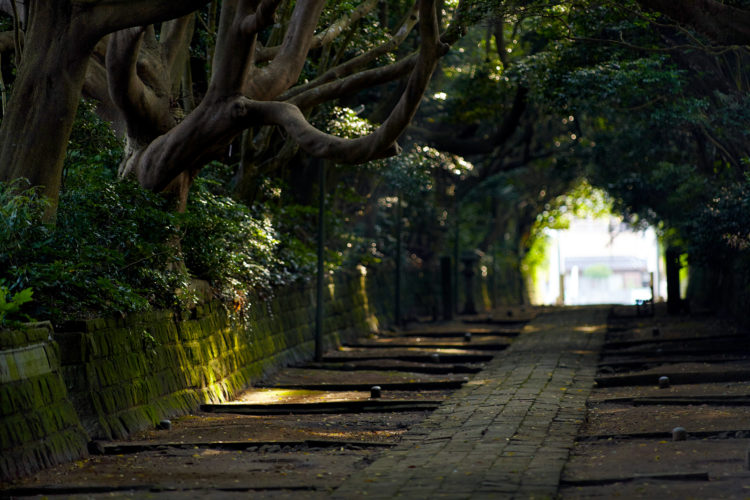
{"points": [[249, 86], [59, 41], [242, 94]]}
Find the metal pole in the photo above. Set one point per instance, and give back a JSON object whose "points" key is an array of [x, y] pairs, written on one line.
{"points": [[321, 270], [446, 273], [399, 216], [456, 245]]}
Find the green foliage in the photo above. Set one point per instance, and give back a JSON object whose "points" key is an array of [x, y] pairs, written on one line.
{"points": [[228, 244], [116, 248], [345, 122], [10, 304], [582, 200], [108, 250], [721, 228]]}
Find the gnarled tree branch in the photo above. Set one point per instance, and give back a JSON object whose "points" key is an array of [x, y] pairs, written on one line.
{"points": [[144, 108], [349, 67], [268, 82], [221, 116], [264, 54]]}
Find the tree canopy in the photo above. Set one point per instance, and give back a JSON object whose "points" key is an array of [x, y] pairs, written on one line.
{"points": [[502, 112]]}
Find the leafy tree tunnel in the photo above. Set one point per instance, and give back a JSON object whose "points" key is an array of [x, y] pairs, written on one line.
{"points": [[503, 112]]}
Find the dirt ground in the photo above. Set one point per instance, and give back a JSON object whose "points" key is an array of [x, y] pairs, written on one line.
{"points": [[626, 447], [208, 455], [229, 455]]}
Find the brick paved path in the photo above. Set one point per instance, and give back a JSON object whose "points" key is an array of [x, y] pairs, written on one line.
{"points": [[508, 432]]}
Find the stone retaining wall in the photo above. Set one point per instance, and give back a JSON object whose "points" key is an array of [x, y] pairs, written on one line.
{"points": [[107, 378], [38, 424]]}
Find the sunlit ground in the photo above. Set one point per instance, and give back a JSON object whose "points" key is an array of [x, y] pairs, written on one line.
{"points": [[270, 395]]}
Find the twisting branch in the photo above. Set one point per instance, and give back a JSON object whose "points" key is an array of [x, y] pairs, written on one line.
{"points": [[16, 32], [264, 54], [146, 113], [315, 142], [379, 143], [261, 19], [349, 67], [333, 84], [107, 16], [282, 72], [353, 83], [224, 112]]}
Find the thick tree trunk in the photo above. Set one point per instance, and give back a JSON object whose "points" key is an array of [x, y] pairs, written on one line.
{"points": [[60, 39], [39, 118]]}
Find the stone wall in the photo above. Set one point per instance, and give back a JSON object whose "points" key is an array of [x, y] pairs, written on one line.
{"points": [[38, 424], [107, 378]]}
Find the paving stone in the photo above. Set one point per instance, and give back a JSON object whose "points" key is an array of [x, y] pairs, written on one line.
{"points": [[509, 431]]}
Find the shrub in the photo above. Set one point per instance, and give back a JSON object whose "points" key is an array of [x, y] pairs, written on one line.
{"points": [[117, 248]]}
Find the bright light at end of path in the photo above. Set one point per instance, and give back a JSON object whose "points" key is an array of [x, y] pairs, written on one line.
{"points": [[601, 260], [440, 96]]}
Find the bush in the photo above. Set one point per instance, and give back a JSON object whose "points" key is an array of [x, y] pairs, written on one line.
{"points": [[117, 248], [228, 244]]}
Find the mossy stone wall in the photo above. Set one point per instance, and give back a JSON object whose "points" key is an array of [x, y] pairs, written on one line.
{"points": [[108, 378], [39, 425]]}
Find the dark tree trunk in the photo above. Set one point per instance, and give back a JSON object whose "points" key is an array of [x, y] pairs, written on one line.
{"points": [[39, 117], [60, 39]]}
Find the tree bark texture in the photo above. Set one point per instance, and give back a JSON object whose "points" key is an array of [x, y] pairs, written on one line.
{"points": [[40, 114], [242, 95], [59, 42]]}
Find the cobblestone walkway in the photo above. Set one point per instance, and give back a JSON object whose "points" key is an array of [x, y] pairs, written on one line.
{"points": [[508, 432]]}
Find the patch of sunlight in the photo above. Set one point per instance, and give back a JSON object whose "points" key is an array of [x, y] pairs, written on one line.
{"points": [[590, 328], [273, 395], [358, 435]]}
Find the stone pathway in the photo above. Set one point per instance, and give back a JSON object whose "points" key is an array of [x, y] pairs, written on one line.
{"points": [[508, 432]]}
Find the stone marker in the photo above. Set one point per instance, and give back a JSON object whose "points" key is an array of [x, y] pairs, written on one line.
{"points": [[375, 391], [164, 425], [467, 337], [663, 382], [679, 434]]}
